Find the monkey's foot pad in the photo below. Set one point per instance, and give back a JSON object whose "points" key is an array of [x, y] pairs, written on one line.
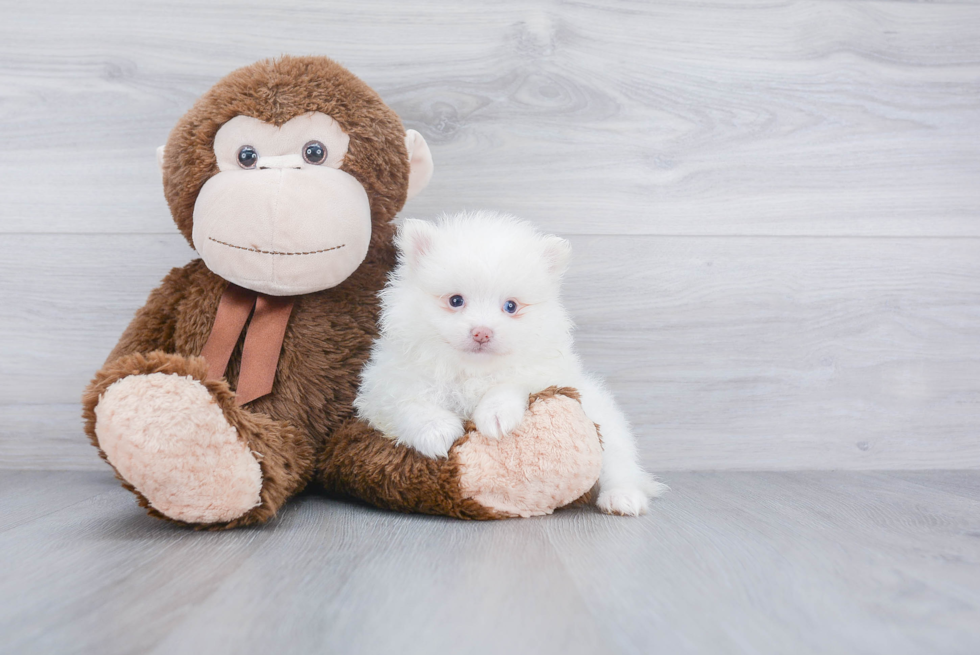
{"points": [[552, 459], [167, 436]]}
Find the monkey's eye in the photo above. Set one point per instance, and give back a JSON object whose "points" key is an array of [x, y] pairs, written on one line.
{"points": [[510, 307], [456, 301], [314, 152], [247, 156]]}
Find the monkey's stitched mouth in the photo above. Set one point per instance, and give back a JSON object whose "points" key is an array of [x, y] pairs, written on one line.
{"points": [[275, 252]]}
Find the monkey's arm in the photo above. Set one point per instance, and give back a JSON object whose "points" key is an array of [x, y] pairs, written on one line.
{"points": [[152, 328]]}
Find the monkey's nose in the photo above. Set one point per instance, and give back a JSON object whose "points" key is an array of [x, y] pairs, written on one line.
{"points": [[281, 161], [481, 334]]}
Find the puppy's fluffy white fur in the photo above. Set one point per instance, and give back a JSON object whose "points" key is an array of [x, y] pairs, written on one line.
{"points": [[453, 348]]}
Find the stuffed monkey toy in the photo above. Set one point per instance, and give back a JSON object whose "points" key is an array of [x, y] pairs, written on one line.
{"points": [[232, 388]]}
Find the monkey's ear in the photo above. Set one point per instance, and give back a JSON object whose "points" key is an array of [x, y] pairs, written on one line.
{"points": [[420, 160], [558, 254], [414, 240], [160, 155]]}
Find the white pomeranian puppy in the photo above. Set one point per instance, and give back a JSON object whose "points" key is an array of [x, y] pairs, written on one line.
{"points": [[471, 325]]}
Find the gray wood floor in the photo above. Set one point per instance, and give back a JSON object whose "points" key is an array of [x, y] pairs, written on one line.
{"points": [[729, 562]]}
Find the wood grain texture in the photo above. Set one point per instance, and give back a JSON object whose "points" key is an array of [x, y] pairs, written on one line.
{"points": [[738, 117], [743, 353], [806, 562], [27, 495], [782, 562], [46, 436]]}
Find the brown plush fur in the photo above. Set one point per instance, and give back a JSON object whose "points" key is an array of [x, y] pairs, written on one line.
{"points": [[359, 461]]}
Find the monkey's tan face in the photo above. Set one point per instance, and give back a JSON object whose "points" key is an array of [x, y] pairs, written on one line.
{"points": [[280, 217]]}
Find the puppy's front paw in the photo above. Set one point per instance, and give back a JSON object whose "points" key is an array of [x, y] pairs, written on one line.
{"points": [[497, 415], [623, 501], [434, 438]]}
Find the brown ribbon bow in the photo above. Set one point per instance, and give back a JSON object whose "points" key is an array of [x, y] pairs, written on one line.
{"points": [[263, 341]]}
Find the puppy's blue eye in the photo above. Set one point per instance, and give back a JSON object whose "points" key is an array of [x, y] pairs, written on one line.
{"points": [[456, 301], [510, 306]]}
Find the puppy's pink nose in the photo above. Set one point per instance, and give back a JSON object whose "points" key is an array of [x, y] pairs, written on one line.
{"points": [[481, 334]]}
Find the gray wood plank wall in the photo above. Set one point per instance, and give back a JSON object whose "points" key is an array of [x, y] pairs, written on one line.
{"points": [[775, 206]]}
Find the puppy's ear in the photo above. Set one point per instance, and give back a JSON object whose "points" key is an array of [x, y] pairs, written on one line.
{"points": [[558, 253], [414, 240]]}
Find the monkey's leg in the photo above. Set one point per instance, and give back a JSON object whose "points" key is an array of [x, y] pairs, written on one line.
{"points": [[182, 445], [552, 459]]}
